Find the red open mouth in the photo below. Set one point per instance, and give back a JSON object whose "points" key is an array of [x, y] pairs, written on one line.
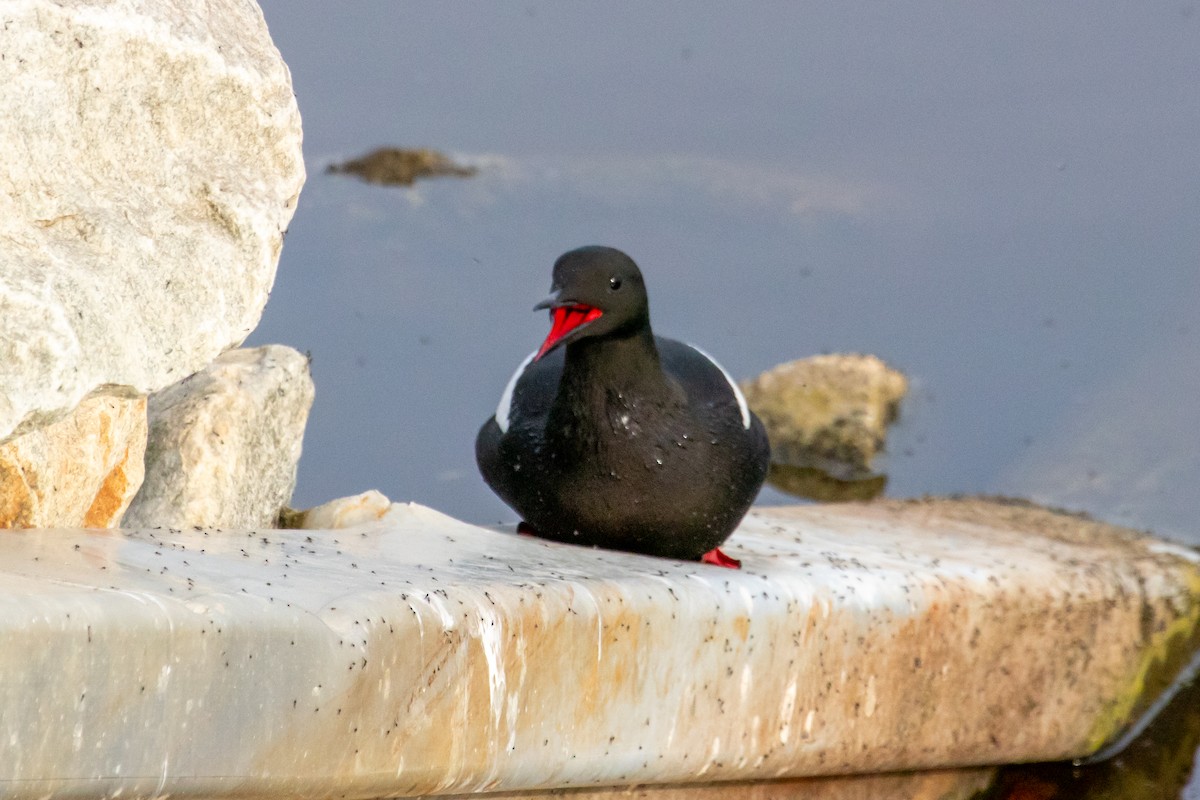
{"points": [[566, 319]]}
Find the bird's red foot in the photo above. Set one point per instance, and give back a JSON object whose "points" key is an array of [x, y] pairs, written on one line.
{"points": [[719, 559], [525, 529]]}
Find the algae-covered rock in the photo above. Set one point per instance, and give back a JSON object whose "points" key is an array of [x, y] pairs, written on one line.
{"points": [[830, 412], [394, 166]]}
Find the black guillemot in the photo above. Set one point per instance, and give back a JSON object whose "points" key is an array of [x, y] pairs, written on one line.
{"points": [[610, 436]]}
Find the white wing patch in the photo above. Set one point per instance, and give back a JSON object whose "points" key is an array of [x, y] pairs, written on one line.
{"points": [[737, 393], [505, 406]]}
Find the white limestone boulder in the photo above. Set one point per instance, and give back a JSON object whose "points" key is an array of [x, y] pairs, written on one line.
{"points": [[225, 443], [81, 471], [151, 163]]}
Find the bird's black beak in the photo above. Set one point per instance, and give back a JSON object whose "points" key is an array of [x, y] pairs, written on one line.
{"points": [[549, 302]]}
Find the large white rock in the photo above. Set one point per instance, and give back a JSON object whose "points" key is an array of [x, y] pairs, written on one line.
{"points": [[151, 163], [225, 443]]}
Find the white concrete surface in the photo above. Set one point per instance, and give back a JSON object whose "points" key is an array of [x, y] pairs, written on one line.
{"points": [[419, 654]]}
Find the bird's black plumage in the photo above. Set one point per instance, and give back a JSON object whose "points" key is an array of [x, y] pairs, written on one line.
{"points": [[618, 438]]}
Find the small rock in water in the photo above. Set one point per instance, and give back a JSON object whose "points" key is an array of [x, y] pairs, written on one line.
{"points": [[394, 166], [827, 414]]}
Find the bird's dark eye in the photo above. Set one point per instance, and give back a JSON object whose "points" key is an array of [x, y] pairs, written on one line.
{"points": [[614, 284]]}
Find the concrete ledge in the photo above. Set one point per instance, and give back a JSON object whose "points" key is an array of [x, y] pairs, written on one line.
{"points": [[961, 784], [420, 654]]}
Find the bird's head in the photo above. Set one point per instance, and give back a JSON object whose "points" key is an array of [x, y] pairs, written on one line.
{"points": [[596, 291]]}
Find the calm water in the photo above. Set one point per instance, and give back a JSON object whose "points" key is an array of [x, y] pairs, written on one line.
{"points": [[1003, 200]]}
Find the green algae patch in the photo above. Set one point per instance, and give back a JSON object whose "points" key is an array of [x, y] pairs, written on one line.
{"points": [[1171, 647], [1154, 763], [1136, 607]]}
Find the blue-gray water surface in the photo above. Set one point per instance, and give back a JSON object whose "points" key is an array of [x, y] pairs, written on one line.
{"points": [[1002, 200]]}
